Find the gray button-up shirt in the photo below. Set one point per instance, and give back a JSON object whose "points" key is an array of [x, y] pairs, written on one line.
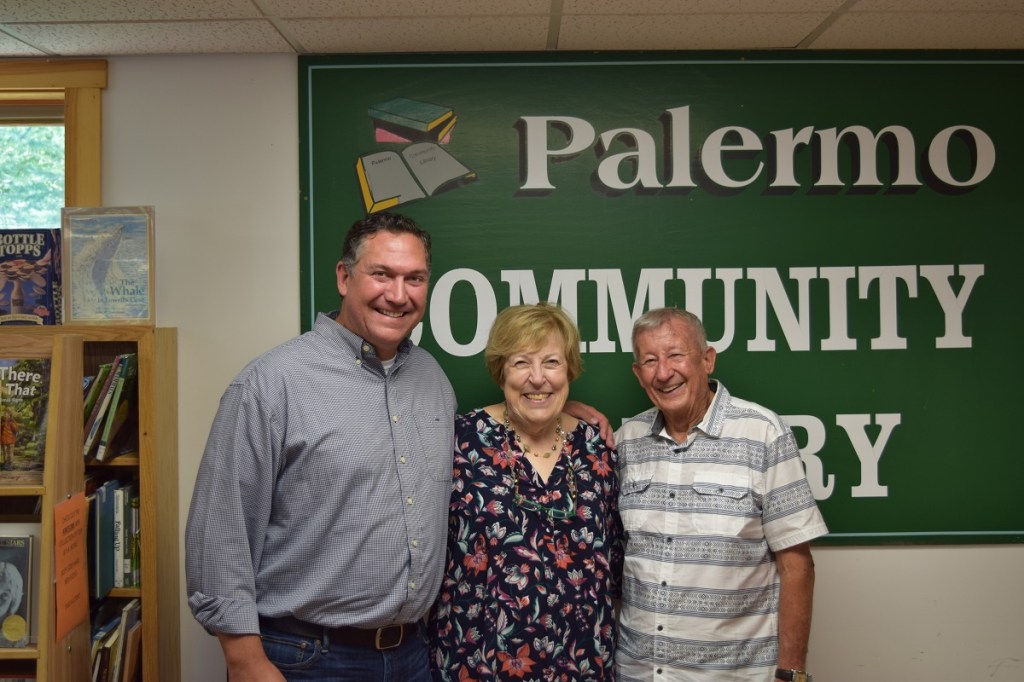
{"points": [[323, 490]]}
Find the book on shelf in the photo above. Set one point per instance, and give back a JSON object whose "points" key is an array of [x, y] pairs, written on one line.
{"points": [[99, 380], [16, 571], [132, 653], [95, 421], [101, 539], [389, 178], [130, 616], [122, 401], [101, 666], [24, 394], [134, 575], [30, 276], [413, 120], [101, 633], [121, 496]]}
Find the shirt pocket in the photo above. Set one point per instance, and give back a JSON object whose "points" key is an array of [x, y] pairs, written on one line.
{"points": [[634, 498], [436, 438], [723, 503]]}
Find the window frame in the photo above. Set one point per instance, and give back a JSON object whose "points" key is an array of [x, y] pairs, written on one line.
{"points": [[79, 83]]}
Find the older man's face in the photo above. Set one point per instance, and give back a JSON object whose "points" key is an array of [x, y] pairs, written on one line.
{"points": [[673, 369]]}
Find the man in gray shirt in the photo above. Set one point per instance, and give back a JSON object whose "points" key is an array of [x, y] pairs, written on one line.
{"points": [[316, 535]]}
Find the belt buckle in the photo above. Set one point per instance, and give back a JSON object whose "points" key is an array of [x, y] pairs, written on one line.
{"points": [[383, 646]]}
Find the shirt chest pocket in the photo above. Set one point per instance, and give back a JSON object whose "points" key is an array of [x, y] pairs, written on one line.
{"points": [[435, 437], [724, 504], [635, 504]]}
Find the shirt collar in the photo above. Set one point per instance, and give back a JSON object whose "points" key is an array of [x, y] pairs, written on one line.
{"points": [[711, 422], [350, 343]]}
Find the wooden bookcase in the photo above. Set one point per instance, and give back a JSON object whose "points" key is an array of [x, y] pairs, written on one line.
{"points": [[75, 350]]}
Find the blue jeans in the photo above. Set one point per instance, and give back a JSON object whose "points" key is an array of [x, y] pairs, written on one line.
{"points": [[303, 658]]}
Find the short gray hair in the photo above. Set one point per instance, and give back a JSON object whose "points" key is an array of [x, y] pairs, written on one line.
{"points": [[657, 317]]}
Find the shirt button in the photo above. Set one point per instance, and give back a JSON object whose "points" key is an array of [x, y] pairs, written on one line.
{"points": [[412, 586], [366, 348], [415, 543], [402, 459], [408, 501], [359, 362], [394, 418]]}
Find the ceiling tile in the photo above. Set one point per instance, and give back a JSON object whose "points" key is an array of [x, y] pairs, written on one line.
{"points": [[12, 47], [641, 7], [155, 38], [920, 31], [419, 34], [933, 6], [403, 8], [687, 32], [65, 11]]}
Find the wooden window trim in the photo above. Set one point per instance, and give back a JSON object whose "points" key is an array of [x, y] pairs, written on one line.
{"points": [[81, 83]]}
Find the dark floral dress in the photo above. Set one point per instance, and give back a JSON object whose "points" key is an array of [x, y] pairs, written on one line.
{"points": [[529, 586]]}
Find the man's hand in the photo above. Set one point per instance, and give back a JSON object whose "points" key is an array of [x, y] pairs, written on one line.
{"points": [[247, 662], [594, 418]]}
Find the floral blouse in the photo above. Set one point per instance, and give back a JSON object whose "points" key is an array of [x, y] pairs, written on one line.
{"points": [[532, 566]]}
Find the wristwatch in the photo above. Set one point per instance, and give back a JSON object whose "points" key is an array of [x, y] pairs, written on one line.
{"points": [[790, 675]]}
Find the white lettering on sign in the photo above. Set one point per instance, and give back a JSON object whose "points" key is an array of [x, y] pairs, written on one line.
{"points": [[637, 166], [883, 292]]}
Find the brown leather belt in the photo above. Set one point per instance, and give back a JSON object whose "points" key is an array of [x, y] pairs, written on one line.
{"points": [[380, 639]]}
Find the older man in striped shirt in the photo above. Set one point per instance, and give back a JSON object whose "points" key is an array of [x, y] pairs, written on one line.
{"points": [[718, 580]]}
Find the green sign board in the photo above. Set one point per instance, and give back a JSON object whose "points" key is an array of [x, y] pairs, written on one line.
{"points": [[848, 229]]}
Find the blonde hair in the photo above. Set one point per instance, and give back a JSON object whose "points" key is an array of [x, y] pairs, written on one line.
{"points": [[525, 328]]}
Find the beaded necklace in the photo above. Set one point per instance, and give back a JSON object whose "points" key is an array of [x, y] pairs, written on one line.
{"points": [[518, 471]]}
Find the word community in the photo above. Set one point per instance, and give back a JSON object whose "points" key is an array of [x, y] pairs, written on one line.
{"points": [[883, 294]]}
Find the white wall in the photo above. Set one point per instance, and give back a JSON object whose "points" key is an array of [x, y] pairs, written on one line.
{"points": [[212, 142]]}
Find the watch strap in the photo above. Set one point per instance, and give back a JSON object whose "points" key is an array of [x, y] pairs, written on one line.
{"points": [[790, 675]]}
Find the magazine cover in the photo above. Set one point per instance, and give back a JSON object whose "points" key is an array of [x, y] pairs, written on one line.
{"points": [[15, 590], [30, 276], [24, 391]]}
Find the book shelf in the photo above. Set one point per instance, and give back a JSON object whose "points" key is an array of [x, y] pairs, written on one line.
{"points": [[76, 350]]}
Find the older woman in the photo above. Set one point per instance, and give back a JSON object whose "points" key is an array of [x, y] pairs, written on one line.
{"points": [[534, 538]]}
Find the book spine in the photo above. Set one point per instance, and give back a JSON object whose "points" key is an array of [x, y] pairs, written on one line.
{"points": [[136, 561], [118, 537]]}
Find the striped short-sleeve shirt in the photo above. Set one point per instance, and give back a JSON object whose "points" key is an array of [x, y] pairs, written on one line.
{"points": [[703, 518]]}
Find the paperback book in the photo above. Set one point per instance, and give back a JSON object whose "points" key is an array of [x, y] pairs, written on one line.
{"points": [[24, 393], [15, 590], [30, 276]]}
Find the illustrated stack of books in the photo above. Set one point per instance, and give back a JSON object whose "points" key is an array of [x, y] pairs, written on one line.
{"points": [[422, 168], [406, 120]]}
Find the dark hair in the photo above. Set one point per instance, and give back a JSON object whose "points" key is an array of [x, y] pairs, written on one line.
{"points": [[379, 222]]}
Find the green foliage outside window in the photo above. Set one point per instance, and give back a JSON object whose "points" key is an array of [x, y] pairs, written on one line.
{"points": [[31, 175]]}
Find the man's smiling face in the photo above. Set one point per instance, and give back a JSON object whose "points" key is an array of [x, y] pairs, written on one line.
{"points": [[673, 367], [385, 291]]}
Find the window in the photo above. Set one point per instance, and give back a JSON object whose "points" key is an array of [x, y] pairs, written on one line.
{"points": [[31, 160], [35, 90]]}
